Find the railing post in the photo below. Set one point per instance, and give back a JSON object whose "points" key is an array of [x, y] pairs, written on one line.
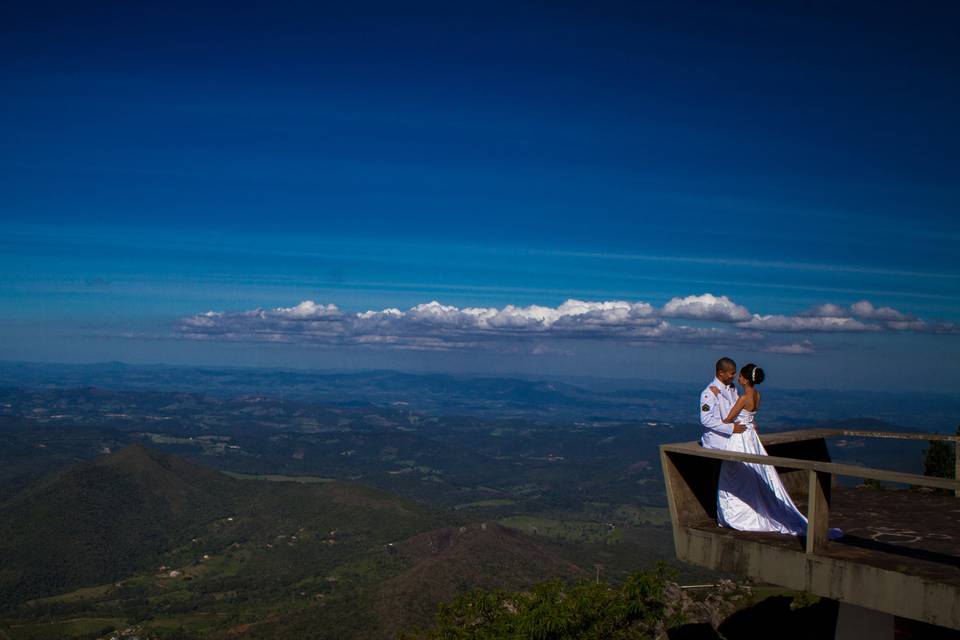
{"points": [[818, 511]]}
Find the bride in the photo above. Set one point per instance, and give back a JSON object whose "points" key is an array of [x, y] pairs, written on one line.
{"points": [[751, 497]]}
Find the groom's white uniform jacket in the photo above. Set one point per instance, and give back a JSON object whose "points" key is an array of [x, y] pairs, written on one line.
{"points": [[713, 409]]}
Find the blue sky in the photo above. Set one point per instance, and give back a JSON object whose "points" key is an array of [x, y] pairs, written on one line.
{"points": [[162, 160]]}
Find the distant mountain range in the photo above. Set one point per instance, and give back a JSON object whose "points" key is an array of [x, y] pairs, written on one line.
{"points": [[129, 533], [143, 544], [229, 502], [548, 397]]}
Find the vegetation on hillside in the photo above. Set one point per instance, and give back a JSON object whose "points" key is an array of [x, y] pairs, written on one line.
{"points": [[939, 459], [287, 544], [148, 541], [644, 606]]}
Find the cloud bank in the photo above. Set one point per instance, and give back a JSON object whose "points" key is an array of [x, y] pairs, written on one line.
{"points": [[436, 326]]}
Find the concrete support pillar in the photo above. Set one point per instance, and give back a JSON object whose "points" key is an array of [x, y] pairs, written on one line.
{"points": [[857, 623]]}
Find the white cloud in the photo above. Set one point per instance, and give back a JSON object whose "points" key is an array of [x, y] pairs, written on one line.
{"points": [[827, 311], [865, 310], [858, 317], [865, 314], [947, 328], [797, 348], [861, 316], [706, 307], [908, 325], [434, 325], [791, 324], [308, 310], [437, 326], [940, 328]]}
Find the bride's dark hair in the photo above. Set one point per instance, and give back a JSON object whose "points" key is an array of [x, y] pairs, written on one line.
{"points": [[753, 373]]}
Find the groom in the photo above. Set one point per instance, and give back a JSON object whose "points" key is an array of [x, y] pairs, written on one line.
{"points": [[714, 406]]}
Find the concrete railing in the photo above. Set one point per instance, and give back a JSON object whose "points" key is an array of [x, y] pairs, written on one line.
{"points": [[692, 485]]}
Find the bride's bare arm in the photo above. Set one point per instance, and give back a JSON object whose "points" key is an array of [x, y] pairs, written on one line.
{"points": [[735, 410]]}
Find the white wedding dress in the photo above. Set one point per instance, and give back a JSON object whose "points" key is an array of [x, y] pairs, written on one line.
{"points": [[751, 497]]}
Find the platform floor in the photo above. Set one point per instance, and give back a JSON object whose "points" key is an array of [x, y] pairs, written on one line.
{"points": [[910, 532]]}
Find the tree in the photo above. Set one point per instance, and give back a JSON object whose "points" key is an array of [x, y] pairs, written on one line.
{"points": [[638, 609], [939, 459]]}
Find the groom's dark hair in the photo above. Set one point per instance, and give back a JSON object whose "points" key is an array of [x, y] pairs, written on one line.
{"points": [[725, 364]]}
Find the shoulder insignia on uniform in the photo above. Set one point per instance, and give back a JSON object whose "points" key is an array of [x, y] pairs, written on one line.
{"points": [[705, 407]]}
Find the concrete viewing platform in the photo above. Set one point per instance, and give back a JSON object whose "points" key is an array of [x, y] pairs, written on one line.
{"points": [[900, 553]]}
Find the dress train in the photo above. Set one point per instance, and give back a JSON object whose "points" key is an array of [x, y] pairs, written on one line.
{"points": [[750, 496]]}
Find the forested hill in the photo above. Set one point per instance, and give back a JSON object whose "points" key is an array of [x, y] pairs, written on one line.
{"points": [[104, 519], [140, 535], [122, 513]]}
